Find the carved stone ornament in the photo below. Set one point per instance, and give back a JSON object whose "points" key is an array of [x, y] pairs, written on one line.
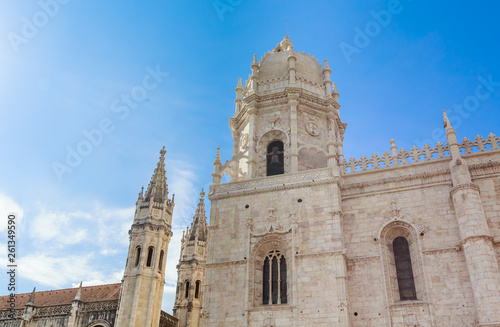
{"points": [[273, 225], [394, 215], [312, 128], [244, 141], [310, 124]]}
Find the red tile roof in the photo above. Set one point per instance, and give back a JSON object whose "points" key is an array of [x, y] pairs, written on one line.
{"points": [[108, 292]]}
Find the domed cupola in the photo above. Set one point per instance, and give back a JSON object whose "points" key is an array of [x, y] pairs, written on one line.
{"points": [[283, 67], [286, 118]]}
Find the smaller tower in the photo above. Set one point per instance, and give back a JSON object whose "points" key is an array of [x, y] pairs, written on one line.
{"points": [[191, 269], [476, 238], [144, 277], [76, 307]]}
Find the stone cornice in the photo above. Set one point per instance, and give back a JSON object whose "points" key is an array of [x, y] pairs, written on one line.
{"points": [[456, 248], [153, 227], [464, 187], [484, 169], [425, 178], [223, 263], [273, 183], [475, 237], [370, 182]]}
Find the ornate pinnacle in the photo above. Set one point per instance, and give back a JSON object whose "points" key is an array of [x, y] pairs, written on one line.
{"points": [[202, 195], [446, 124], [78, 295], [141, 193], [326, 64], [217, 157], [157, 189], [31, 300]]}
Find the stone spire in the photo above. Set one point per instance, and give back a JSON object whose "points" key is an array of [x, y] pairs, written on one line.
{"points": [[31, 300], [217, 168], [198, 226], [459, 170], [157, 188], [78, 296], [239, 92], [29, 309], [451, 135]]}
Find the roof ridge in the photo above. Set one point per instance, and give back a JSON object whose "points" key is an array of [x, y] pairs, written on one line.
{"points": [[69, 288]]}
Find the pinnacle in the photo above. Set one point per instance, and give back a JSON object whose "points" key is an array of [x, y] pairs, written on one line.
{"points": [[157, 188]]}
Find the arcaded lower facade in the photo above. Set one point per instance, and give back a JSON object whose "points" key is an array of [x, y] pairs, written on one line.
{"points": [[302, 237]]}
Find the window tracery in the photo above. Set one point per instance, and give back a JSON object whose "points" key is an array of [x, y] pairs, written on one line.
{"points": [[274, 285]]}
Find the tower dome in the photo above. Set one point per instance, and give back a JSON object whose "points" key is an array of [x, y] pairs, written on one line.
{"points": [[283, 67]]}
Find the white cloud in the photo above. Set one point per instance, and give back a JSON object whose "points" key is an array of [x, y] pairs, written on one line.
{"points": [[59, 227], [63, 247], [57, 271], [7, 206]]}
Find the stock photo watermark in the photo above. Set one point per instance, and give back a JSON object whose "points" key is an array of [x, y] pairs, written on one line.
{"points": [[11, 262], [223, 6], [121, 107], [32, 25], [485, 88], [363, 37]]}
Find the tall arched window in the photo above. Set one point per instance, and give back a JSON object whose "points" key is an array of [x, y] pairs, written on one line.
{"points": [[404, 269], [275, 161], [137, 255], [150, 256], [160, 262], [186, 289], [274, 286], [197, 289]]}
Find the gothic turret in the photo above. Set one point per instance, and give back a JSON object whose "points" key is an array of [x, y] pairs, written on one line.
{"points": [[191, 269], [144, 277]]}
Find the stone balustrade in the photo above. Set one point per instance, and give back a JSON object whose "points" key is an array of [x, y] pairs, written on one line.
{"points": [[403, 157]]}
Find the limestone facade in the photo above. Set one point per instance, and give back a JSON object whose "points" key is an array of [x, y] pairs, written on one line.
{"points": [[302, 237], [144, 277], [191, 269]]}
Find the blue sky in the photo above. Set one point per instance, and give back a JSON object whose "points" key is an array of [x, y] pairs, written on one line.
{"points": [[68, 67]]}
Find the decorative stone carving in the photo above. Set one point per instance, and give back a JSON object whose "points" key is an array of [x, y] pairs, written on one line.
{"points": [[394, 215], [273, 226], [243, 140], [311, 126]]}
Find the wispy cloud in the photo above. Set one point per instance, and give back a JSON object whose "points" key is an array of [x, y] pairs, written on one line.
{"points": [[63, 247], [8, 205]]}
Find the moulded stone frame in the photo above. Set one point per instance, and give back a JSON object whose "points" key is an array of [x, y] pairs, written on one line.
{"points": [[99, 323], [259, 252], [388, 233]]}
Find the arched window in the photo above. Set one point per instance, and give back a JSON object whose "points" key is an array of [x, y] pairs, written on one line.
{"points": [[160, 263], [404, 269], [197, 289], [186, 289], [274, 286], [137, 255], [275, 155], [150, 256]]}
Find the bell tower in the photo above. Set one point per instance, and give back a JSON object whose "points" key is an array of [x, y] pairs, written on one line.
{"points": [[276, 233], [142, 285], [191, 269], [286, 117]]}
